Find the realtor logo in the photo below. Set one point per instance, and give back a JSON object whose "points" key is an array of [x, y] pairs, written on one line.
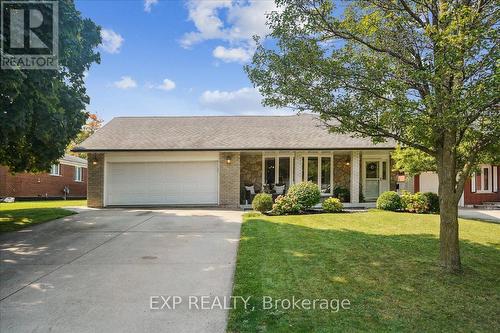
{"points": [[29, 35]]}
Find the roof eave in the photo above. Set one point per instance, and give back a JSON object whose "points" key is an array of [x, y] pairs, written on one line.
{"points": [[90, 150]]}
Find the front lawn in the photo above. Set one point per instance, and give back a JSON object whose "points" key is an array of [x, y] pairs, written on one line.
{"points": [[19, 215], [384, 263]]}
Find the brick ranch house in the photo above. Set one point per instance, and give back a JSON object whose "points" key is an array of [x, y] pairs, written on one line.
{"points": [[70, 172], [222, 160]]}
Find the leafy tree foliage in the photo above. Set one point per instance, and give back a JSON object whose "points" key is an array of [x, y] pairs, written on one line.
{"points": [[41, 111], [423, 73], [91, 126], [413, 161]]}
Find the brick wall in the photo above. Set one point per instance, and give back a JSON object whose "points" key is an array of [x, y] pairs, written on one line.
{"points": [[95, 189], [32, 185], [229, 178]]}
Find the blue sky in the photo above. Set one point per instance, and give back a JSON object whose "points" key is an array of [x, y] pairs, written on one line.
{"points": [[175, 57]]}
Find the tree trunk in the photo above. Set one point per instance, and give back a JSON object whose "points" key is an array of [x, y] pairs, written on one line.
{"points": [[448, 202]]}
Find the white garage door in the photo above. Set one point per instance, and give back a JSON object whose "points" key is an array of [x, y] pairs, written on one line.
{"points": [[162, 183]]}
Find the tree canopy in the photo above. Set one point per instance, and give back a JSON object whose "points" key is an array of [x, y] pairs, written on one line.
{"points": [[43, 110], [424, 73]]}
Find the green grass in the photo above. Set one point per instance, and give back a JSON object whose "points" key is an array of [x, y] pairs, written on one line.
{"points": [[18, 215], [385, 263]]}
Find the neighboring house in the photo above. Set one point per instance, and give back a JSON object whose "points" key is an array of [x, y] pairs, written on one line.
{"points": [[480, 189], [209, 160], [70, 173]]}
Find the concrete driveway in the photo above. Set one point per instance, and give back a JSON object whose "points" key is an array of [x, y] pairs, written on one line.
{"points": [[97, 271], [481, 214]]}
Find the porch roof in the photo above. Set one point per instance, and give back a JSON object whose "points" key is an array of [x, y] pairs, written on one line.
{"points": [[225, 133]]}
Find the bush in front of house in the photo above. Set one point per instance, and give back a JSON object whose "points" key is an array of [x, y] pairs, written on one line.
{"points": [[263, 202], [332, 205], [286, 204], [389, 200], [307, 194], [342, 193], [406, 200], [419, 203], [433, 200]]}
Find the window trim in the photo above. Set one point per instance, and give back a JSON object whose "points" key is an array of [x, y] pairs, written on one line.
{"points": [[78, 171], [319, 156], [490, 184], [277, 157], [58, 169]]}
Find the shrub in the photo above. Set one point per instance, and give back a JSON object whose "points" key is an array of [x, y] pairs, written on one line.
{"points": [[389, 200], [419, 203], [307, 194], [342, 193], [286, 204], [406, 200], [433, 200], [262, 202], [332, 205]]}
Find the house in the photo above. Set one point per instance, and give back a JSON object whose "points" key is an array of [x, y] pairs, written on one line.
{"points": [[204, 160], [479, 190], [69, 173]]}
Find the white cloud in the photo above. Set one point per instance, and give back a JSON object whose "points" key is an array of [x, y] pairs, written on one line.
{"points": [[125, 82], [238, 54], [111, 41], [148, 4], [167, 85], [235, 22], [242, 101]]}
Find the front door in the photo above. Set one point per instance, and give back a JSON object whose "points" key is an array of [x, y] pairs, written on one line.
{"points": [[372, 180]]}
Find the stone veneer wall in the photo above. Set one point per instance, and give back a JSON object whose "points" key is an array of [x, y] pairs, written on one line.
{"points": [[342, 171], [250, 171], [95, 183], [229, 180]]}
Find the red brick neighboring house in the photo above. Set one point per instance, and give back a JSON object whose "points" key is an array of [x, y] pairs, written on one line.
{"points": [[70, 172], [482, 187]]}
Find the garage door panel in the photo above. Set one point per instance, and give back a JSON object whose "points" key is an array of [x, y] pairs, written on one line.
{"points": [[162, 183]]}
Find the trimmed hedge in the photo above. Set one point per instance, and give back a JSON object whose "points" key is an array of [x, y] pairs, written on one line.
{"points": [[307, 194], [285, 205], [263, 202], [332, 205], [415, 203], [389, 200], [433, 200]]}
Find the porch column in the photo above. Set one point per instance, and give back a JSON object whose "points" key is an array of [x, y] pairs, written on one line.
{"points": [[355, 176], [298, 168]]}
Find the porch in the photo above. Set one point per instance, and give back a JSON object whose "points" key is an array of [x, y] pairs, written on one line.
{"points": [[356, 177]]}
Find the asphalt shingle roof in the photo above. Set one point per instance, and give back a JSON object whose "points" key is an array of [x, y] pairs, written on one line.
{"points": [[221, 133], [73, 159]]}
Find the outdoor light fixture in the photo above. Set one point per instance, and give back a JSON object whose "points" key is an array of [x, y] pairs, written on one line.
{"points": [[94, 162], [228, 159], [347, 163]]}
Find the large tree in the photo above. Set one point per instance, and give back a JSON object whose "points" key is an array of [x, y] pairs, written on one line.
{"points": [[91, 126], [43, 110], [423, 73]]}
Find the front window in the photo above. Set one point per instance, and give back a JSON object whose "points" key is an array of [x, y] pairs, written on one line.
{"points": [[270, 170], [284, 170], [319, 170], [277, 170], [326, 170], [79, 174], [312, 169], [485, 180], [55, 170]]}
